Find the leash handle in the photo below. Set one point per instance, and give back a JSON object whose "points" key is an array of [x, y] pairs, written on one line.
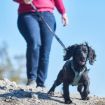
{"points": [[57, 38]]}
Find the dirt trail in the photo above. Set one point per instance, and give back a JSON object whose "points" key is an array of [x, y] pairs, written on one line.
{"points": [[13, 94]]}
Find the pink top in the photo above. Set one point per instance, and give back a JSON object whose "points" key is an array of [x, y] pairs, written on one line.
{"points": [[41, 5]]}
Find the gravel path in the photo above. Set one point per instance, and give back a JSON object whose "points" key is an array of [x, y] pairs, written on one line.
{"points": [[13, 94]]}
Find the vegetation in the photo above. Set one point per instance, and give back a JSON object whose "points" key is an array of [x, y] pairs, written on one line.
{"points": [[11, 67]]}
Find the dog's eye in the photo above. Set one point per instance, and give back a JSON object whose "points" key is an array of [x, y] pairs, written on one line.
{"points": [[85, 50]]}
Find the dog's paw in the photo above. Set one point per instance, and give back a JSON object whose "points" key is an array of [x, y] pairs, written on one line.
{"points": [[51, 93], [85, 98], [68, 101]]}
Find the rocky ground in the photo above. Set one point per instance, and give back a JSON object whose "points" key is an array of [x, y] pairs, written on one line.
{"points": [[13, 94]]}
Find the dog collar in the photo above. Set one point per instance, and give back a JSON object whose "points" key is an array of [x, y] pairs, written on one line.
{"points": [[77, 75]]}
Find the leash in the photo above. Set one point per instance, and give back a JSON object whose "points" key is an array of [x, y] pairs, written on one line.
{"points": [[42, 19]]}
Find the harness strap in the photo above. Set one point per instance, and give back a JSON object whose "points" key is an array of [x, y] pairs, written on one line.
{"points": [[77, 75]]}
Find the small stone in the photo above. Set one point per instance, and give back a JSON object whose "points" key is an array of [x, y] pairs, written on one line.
{"points": [[33, 95]]}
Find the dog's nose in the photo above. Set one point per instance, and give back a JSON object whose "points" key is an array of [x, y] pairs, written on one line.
{"points": [[82, 58]]}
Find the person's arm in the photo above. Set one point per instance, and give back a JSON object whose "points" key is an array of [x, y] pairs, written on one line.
{"points": [[60, 7], [24, 1], [19, 1]]}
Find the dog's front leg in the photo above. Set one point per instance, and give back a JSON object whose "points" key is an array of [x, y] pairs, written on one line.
{"points": [[57, 82], [86, 91], [52, 89], [66, 93], [80, 88]]}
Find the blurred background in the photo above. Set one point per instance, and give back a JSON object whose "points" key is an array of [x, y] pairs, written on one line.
{"points": [[86, 23]]}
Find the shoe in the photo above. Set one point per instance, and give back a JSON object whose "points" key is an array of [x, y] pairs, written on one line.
{"points": [[40, 84], [31, 83], [41, 88]]}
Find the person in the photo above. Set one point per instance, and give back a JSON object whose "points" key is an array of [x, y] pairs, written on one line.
{"points": [[37, 35]]}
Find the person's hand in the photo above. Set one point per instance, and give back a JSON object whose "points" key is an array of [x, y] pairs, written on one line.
{"points": [[28, 1], [65, 19]]}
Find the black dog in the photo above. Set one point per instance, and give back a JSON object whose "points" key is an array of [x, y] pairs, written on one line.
{"points": [[74, 71]]}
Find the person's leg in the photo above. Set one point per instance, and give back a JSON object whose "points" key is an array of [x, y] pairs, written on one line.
{"points": [[46, 40], [29, 28]]}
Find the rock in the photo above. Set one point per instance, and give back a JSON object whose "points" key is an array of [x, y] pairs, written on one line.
{"points": [[33, 95], [13, 94]]}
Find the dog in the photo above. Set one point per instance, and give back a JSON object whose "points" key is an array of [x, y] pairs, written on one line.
{"points": [[74, 71]]}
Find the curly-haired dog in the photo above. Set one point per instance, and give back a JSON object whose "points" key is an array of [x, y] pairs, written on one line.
{"points": [[74, 71]]}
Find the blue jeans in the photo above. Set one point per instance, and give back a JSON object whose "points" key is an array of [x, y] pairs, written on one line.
{"points": [[39, 40]]}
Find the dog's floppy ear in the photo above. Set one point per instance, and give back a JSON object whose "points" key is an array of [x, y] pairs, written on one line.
{"points": [[69, 52], [91, 56]]}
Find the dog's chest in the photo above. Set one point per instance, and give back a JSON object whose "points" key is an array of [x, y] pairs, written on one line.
{"points": [[72, 75], [77, 75], [77, 78]]}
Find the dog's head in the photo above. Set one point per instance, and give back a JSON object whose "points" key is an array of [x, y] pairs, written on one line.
{"points": [[80, 53]]}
